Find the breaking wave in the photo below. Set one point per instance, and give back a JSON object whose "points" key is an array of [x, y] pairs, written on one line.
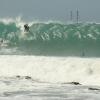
{"points": [[52, 38]]}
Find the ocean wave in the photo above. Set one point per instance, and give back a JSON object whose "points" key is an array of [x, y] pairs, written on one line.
{"points": [[52, 37], [50, 31]]}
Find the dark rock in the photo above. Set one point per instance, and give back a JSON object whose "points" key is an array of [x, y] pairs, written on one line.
{"points": [[28, 77], [75, 83], [18, 76], [93, 89]]}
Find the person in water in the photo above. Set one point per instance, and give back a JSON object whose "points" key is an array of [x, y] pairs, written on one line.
{"points": [[26, 27]]}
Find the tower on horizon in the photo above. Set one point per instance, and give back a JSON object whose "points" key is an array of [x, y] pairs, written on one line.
{"points": [[77, 16], [71, 15]]}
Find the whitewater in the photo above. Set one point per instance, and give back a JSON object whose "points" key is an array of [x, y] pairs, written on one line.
{"points": [[53, 61]]}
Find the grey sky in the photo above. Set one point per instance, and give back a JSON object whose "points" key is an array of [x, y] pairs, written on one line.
{"points": [[51, 9]]}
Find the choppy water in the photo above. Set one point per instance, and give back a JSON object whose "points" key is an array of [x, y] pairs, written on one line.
{"points": [[49, 78], [43, 63], [23, 89]]}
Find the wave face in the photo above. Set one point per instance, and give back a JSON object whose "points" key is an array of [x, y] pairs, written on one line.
{"points": [[53, 38]]}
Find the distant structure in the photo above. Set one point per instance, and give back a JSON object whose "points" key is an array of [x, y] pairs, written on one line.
{"points": [[77, 16], [71, 16]]}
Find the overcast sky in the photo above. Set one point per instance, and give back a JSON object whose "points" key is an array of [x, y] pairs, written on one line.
{"points": [[89, 10]]}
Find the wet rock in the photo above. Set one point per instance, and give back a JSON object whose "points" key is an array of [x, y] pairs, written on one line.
{"points": [[28, 77], [93, 89], [75, 83], [18, 76]]}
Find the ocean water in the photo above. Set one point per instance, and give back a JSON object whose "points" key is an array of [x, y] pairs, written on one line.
{"points": [[53, 61]]}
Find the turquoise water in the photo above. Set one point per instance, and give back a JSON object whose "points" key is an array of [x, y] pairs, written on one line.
{"points": [[56, 39]]}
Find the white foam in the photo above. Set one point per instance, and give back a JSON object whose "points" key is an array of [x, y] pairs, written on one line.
{"points": [[52, 69]]}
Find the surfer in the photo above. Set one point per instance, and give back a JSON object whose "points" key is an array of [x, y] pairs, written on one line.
{"points": [[26, 27]]}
